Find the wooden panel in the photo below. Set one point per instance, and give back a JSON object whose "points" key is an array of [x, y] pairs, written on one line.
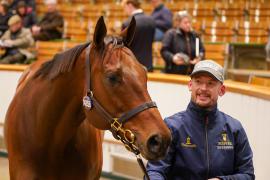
{"points": [[157, 59], [260, 81], [216, 52], [47, 49]]}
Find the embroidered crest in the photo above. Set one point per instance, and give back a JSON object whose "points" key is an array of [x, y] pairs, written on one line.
{"points": [[188, 143], [225, 142]]}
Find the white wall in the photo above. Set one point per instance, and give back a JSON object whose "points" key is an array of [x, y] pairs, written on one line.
{"points": [[254, 113]]}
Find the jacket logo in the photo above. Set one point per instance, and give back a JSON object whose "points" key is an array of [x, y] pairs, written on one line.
{"points": [[188, 143], [225, 142]]}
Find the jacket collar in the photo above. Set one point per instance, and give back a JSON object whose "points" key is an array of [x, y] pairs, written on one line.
{"points": [[137, 11], [202, 114], [159, 7]]}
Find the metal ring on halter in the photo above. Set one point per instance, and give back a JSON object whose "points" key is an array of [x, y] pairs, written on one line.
{"points": [[129, 136]]}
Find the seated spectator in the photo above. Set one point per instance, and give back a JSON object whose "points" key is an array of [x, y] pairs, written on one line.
{"points": [[28, 18], [162, 17], [51, 25], [16, 41], [141, 45], [30, 4], [179, 46], [4, 16]]}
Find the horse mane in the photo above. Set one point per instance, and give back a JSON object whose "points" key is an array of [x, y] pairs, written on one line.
{"points": [[61, 62]]}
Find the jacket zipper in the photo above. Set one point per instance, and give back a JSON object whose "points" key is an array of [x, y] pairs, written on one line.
{"points": [[207, 148]]}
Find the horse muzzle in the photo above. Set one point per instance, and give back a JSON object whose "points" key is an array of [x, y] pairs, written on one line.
{"points": [[157, 146]]}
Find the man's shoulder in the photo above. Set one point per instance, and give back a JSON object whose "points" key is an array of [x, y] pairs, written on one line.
{"points": [[231, 121], [144, 17], [25, 31], [176, 119]]}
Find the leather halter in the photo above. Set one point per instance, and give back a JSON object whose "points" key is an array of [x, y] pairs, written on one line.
{"points": [[127, 138]]}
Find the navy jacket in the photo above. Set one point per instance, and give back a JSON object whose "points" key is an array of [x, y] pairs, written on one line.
{"points": [[162, 17], [141, 44], [174, 41], [205, 145], [4, 23]]}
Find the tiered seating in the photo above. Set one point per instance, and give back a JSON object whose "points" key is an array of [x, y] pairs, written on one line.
{"points": [[217, 31], [217, 52], [47, 49], [218, 22]]}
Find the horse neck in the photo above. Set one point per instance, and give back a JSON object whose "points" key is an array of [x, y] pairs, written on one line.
{"points": [[65, 105]]}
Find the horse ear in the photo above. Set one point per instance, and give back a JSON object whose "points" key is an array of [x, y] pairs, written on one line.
{"points": [[128, 33], [100, 32]]}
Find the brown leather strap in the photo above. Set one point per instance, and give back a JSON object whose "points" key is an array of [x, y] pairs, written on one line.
{"points": [[140, 162], [136, 110]]}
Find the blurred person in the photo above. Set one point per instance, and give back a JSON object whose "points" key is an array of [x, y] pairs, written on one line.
{"points": [[51, 25], [4, 16], [30, 5], [206, 143], [179, 46], [16, 41], [267, 49], [28, 18], [143, 38], [163, 19]]}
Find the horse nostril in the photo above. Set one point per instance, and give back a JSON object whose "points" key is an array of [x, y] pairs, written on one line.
{"points": [[154, 144]]}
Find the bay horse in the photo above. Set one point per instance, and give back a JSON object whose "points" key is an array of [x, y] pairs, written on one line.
{"points": [[53, 124]]}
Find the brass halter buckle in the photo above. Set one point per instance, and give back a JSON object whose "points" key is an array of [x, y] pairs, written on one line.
{"points": [[128, 138]]}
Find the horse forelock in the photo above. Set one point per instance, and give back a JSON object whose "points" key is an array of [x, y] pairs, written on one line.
{"points": [[61, 62]]}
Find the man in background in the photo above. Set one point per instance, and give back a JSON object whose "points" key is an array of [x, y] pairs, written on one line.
{"points": [[51, 25], [4, 17], [141, 45], [16, 42], [163, 19]]}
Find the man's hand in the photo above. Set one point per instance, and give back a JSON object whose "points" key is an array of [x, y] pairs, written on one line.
{"points": [[8, 43], [178, 60], [195, 61], [36, 29], [214, 179]]}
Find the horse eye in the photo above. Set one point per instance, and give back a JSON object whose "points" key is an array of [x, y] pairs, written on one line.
{"points": [[114, 79]]}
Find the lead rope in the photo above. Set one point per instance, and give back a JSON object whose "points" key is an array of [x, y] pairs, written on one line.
{"points": [[141, 164]]}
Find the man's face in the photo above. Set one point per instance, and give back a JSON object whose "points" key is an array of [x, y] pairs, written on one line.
{"points": [[2, 11], [185, 24], [22, 10], [51, 7], [16, 26], [205, 90], [127, 8], [155, 3]]}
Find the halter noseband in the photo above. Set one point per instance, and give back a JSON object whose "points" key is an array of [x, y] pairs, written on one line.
{"points": [[127, 138]]}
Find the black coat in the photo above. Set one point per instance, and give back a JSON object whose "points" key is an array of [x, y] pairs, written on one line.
{"points": [[4, 23], [174, 41], [29, 19], [52, 25], [141, 45]]}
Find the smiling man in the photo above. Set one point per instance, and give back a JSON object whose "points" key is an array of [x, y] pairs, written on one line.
{"points": [[207, 143]]}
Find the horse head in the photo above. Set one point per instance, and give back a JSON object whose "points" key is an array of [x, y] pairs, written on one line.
{"points": [[117, 90]]}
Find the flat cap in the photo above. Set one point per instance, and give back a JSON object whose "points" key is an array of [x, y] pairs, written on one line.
{"points": [[211, 67], [14, 19]]}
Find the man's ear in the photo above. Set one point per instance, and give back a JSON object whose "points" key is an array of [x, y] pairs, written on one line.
{"points": [[190, 85], [222, 90]]}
